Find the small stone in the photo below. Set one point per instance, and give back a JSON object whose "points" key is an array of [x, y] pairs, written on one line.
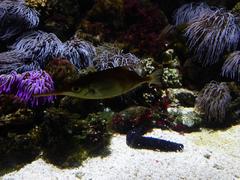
{"points": [[186, 116], [182, 97]]}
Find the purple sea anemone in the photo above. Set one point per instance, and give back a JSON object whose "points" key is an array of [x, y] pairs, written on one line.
{"points": [[213, 34], [35, 82], [190, 12], [8, 82], [16, 17], [78, 52], [231, 67], [38, 46]]}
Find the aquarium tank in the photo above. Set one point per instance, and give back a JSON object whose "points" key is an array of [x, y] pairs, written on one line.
{"points": [[119, 89]]}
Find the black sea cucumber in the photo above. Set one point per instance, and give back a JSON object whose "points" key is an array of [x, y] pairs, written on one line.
{"points": [[136, 140]]}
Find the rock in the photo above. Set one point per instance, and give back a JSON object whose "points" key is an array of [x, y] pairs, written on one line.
{"points": [[131, 118], [186, 116], [196, 76], [182, 97]]}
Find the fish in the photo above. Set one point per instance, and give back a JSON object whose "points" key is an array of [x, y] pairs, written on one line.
{"points": [[107, 84]]}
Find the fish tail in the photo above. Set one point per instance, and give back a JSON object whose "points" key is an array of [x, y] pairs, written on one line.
{"points": [[156, 77]]}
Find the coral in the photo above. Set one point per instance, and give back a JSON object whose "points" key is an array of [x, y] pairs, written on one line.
{"points": [[181, 97], [16, 17], [94, 32], [214, 100], [236, 8], [144, 22], [36, 3], [231, 66], [8, 104], [131, 118], [68, 139], [22, 117], [38, 46], [170, 59], [61, 17], [171, 78], [186, 117], [78, 52], [97, 126], [110, 57], [76, 105], [35, 82], [105, 10], [145, 67], [17, 150], [62, 72], [190, 12], [210, 36]]}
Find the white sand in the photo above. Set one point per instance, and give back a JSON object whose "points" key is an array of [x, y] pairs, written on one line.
{"points": [[207, 155]]}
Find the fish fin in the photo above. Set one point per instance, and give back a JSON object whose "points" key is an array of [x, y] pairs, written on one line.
{"points": [[48, 94], [156, 77]]}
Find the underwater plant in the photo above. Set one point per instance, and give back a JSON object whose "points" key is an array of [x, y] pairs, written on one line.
{"points": [[190, 12], [16, 17], [35, 82], [214, 100], [38, 46], [210, 36], [231, 66], [108, 57], [78, 52]]}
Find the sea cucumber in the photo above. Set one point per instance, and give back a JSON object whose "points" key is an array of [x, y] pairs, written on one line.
{"points": [[136, 140]]}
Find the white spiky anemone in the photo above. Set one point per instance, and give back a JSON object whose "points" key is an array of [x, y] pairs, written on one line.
{"points": [[210, 36], [79, 53], [190, 12], [16, 17], [39, 46], [214, 100], [231, 67]]}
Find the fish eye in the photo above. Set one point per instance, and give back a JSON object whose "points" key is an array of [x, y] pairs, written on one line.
{"points": [[92, 91], [75, 88]]}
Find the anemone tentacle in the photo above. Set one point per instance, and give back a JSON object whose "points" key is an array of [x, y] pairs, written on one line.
{"points": [[210, 36], [38, 46], [190, 12], [16, 17], [231, 67], [78, 52], [214, 100]]}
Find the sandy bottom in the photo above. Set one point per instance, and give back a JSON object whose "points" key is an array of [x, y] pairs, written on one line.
{"points": [[207, 155]]}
